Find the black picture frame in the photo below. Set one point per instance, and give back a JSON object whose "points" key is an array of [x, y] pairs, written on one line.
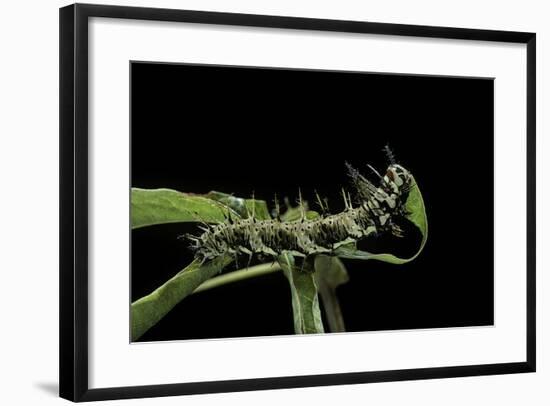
{"points": [[74, 170]]}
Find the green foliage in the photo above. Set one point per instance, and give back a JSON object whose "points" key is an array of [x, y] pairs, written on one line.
{"points": [[330, 273], [320, 275], [332, 270], [303, 290], [148, 310], [161, 206], [417, 215], [295, 214], [244, 207]]}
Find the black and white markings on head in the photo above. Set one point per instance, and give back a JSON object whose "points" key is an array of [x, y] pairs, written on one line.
{"points": [[373, 214]]}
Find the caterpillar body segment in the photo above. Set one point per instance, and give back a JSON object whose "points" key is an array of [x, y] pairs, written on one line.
{"points": [[376, 208]]}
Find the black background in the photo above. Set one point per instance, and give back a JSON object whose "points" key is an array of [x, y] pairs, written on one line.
{"points": [[267, 131]]}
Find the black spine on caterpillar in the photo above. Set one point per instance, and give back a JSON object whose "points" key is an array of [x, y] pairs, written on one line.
{"points": [[376, 208]]}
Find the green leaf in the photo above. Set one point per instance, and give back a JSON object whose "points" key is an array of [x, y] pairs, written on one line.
{"points": [[160, 206], [332, 270], [242, 206], [415, 206], [303, 289], [330, 273], [259, 208], [149, 310], [295, 214]]}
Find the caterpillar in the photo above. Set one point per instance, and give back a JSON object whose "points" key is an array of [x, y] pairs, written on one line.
{"points": [[374, 213]]}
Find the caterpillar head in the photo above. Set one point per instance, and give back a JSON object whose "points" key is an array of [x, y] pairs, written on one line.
{"points": [[387, 200], [392, 196], [397, 179], [397, 183]]}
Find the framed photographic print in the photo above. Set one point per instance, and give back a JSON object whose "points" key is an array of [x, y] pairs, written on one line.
{"points": [[257, 202]]}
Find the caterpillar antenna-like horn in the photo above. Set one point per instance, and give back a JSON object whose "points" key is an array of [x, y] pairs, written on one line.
{"points": [[390, 155]]}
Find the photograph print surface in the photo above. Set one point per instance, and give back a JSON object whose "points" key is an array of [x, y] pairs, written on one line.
{"points": [[270, 201]]}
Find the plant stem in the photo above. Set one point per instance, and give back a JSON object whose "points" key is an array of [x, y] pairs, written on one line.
{"points": [[236, 276], [332, 307]]}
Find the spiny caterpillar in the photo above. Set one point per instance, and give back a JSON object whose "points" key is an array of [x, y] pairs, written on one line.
{"points": [[374, 214]]}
